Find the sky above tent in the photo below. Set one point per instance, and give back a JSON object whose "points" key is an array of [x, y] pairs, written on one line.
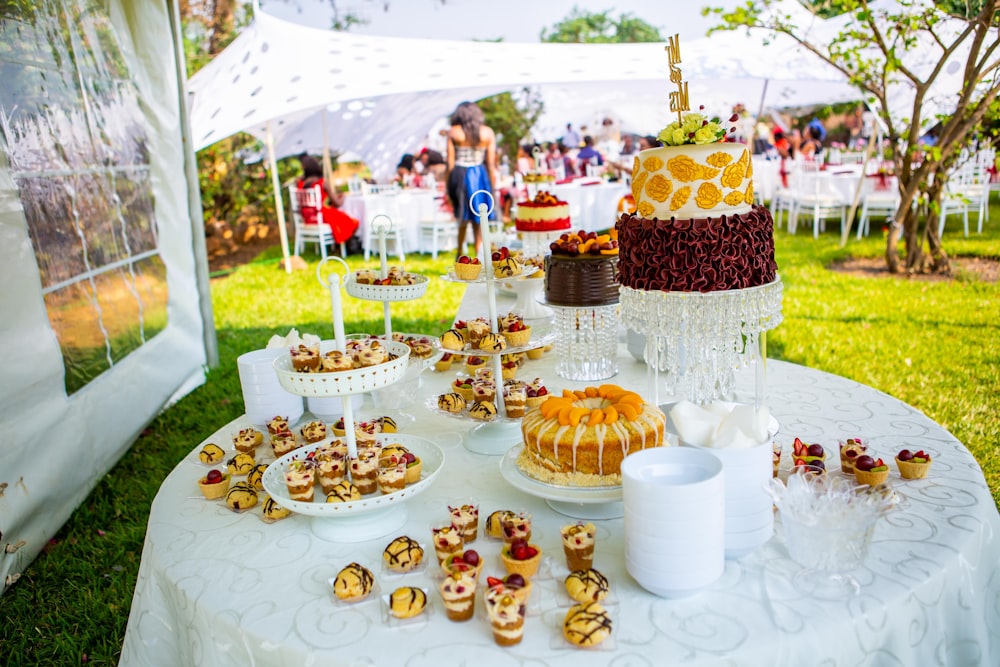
{"points": [[511, 20]]}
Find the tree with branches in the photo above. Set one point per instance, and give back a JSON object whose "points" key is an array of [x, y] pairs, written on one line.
{"points": [[600, 28], [873, 50]]}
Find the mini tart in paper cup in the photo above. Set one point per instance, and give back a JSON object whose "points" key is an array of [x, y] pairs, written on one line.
{"points": [[536, 352], [871, 477], [911, 470]]}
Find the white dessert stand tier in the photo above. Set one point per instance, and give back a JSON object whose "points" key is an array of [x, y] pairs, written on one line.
{"points": [[372, 516], [367, 519], [528, 293], [579, 502], [497, 436]]}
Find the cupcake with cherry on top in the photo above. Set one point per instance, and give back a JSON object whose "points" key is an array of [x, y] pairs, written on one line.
{"points": [[913, 465]]}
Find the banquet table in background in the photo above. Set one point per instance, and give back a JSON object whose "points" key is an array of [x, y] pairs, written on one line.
{"points": [[406, 207], [219, 588], [594, 207]]}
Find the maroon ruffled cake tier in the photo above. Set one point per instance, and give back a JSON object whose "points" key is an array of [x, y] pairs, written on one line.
{"points": [[699, 254], [582, 280]]}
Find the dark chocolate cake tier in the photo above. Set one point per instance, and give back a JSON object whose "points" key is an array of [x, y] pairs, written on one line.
{"points": [[584, 280], [697, 255]]}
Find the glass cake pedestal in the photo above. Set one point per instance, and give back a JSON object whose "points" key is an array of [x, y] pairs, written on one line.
{"points": [[586, 341]]}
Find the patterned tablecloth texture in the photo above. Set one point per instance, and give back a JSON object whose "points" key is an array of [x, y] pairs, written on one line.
{"points": [[220, 588]]}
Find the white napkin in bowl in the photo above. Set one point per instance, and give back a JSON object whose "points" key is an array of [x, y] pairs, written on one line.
{"points": [[292, 339], [720, 424]]}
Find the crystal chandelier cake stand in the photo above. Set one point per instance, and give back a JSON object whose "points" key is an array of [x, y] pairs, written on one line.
{"points": [[697, 342]]}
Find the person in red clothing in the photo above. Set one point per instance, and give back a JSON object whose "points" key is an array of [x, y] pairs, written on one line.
{"points": [[342, 225]]}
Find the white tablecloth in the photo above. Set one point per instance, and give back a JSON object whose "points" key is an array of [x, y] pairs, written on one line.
{"points": [[218, 588], [406, 209], [591, 207]]}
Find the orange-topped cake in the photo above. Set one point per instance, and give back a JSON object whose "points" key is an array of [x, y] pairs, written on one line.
{"points": [[581, 437]]}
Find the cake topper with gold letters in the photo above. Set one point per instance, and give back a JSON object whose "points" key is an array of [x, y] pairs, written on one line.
{"points": [[678, 98]]}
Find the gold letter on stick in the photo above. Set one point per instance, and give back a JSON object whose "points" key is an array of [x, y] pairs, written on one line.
{"points": [[679, 99]]}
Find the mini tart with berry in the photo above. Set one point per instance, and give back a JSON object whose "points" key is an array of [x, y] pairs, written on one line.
{"points": [[474, 363], [444, 362], [214, 485], [514, 584], [913, 465], [521, 557], [870, 471], [517, 333], [467, 268]]}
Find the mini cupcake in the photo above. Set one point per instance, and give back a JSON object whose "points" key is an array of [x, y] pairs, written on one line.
{"points": [[472, 363], [278, 424], [391, 477], [247, 440], [282, 443], [913, 465], [300, 477]]}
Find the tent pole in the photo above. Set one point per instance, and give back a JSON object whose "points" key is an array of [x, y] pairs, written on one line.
{"points": [[327, 167], [279, 205], [869, 149]]}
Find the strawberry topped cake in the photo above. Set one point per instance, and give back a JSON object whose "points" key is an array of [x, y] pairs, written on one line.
{"points": [[545, 213]]}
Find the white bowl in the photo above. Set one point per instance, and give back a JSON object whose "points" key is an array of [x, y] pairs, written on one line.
{"points": [[263, 390], [666, 476]]}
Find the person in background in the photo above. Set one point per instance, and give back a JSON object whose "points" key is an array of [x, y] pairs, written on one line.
{"points": [[341, 225], [818, 130], [588, 154], [525, 161], [553, 156], [571, 138], [626, 155], [433, 163], [649, 141], [569, 164], [812, 146], [406, 174], [782, 145], [472, 166]]}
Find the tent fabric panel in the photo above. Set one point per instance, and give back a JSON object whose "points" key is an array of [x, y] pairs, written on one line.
{"points": [[58, 445]]}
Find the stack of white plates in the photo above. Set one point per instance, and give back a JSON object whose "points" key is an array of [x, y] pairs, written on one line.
{"points": [[674, 499], [263, 396]]}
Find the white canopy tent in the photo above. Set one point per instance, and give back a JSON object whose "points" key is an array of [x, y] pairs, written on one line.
{"points": [[381, 95]]}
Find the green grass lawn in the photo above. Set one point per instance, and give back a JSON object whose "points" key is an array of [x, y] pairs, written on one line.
{"points": [[932, 344]]}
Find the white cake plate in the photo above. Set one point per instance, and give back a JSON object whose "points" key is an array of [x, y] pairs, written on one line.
{"points": [[578, 502]]}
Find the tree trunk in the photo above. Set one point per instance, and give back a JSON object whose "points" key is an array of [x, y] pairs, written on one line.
{"points": [[222, 25]]}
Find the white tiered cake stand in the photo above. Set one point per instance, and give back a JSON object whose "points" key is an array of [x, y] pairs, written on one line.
{"points": [[494, 437], [370, 517]]}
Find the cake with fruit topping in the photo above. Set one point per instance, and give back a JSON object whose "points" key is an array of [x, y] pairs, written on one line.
{"points": [[544, 213], [587, 624], [695, 228], [581, 437], [582, 270], [913, 465]]}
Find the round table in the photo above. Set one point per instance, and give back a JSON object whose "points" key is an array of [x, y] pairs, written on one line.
{"points": [[219, 588]]}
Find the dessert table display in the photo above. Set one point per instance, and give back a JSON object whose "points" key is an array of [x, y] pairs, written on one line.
{"points": [[222, 588]]}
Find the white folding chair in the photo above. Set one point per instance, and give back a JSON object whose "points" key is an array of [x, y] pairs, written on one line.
{"points": [[877, 202], [386, 204], [440, 232], [307, 213], [816, 198]]}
